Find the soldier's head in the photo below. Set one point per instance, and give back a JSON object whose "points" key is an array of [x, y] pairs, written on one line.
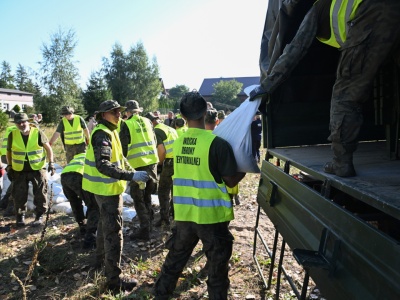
{"points": [[67, 112], [153, 118], [109, 110], [211, 119], [22, 122], [132, 107], [193, 106]]}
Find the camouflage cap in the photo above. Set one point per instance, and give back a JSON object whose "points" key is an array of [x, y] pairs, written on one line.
{"points": [[133, 105], [152, 116], [67, 110], [21, 117], [221, 114], [179, 122], [108, 105]]}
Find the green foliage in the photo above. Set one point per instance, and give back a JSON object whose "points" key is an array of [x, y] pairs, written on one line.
{"points": [[16, 108], [226, 92], [23, 81], [96, 92], [59, 76], [28, 109], [132, 76], [6, 77], [174, 96], [3, 120]]}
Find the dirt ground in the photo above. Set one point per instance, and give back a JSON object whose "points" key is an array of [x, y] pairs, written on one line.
{"points": [[65, 271]]}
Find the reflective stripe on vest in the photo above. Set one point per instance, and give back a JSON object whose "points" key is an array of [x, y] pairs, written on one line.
{"points": [[341, 12], [92, 177], [73, 134], [197, 197], [171, 137], [5, 139], [32, 150], [142, 150], [76, 164]]}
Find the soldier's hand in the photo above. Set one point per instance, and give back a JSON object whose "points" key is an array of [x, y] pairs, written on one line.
{"points": [[257, 93], [10, 172], [140, 176], [51, 169]]}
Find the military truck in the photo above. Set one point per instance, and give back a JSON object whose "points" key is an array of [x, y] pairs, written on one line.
{"points": [[343, 231]]}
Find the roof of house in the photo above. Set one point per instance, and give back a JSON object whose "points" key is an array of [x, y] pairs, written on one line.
{"points": [[207, 89], [9, 91]]}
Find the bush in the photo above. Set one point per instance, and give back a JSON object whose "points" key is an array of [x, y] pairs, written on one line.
{"points": [[3, 120], [17, 108]]}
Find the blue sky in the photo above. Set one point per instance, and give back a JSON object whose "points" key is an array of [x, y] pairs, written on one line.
{"points": [[191, 39]]}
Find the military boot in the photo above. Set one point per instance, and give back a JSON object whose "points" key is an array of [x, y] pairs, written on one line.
{"points": [[20, 220], [38, 220], [342, 162], [142, 234], [162, 221], [123, 285]]}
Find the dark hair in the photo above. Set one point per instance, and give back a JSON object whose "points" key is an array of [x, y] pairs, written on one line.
{"points": [[193, 105], [211, 116]]}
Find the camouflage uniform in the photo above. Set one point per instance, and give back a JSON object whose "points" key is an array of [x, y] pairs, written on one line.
{"points": [[72, 186], [372, 37], [142, 198], [165, 189], [72, 150], [109, 229]]}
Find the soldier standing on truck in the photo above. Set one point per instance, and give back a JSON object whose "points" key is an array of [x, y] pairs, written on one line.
{"points": [[204, 165], [367, 33]]}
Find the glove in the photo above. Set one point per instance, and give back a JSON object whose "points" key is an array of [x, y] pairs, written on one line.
{"points": [[140, 176], [257, 92], [10, 172], [2, 172], [51, 169]]}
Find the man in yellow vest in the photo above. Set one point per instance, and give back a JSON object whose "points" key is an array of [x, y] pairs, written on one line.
{"points": [[27, 148], [139, 147], [105, 175], [6, 202], [71, 181], [204, 165], [367, 33], [165, 138], [73, 131]]}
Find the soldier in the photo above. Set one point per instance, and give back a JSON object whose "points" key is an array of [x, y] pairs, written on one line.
{"points": [[7, 202], [71, 181], [180, 126], [204, 165], [165, 138], [139, 147], [26, 157], [105, 176], [74, 132], [366, 32]]}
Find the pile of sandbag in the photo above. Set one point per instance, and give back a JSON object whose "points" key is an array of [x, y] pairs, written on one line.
{"points": [[61, 203]]}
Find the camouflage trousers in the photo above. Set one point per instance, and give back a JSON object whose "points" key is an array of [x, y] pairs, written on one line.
{"points": [[72, 187], [217, 245], [109, 240], [142, 198], [373, 37], [165, 188], [72, 150], [19, 192]]}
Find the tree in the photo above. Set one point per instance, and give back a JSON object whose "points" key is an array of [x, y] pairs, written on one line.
{"points": [[22, 80], [96, 92], [6, 77], [3, 121], [132, 76], [226, 92], [59, 76]]}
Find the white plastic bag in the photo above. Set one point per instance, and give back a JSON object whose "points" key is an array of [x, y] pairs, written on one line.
{"points": [[236, 129]]}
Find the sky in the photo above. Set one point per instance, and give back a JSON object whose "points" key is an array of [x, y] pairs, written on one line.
{"points": [[190, 39]]}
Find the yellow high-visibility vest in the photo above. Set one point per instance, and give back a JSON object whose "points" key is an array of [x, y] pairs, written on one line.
{"points": [[73, 134], [171, 137]]}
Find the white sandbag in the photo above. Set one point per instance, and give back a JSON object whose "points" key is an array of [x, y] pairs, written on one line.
{"points": [[128, 213], [64, 207], [236, 130], [56, 188], [127, 199], [60, 198], [154, 200]]}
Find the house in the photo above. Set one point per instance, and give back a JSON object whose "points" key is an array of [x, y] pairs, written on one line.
{"points": [[10, 98], [207, 90]]}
